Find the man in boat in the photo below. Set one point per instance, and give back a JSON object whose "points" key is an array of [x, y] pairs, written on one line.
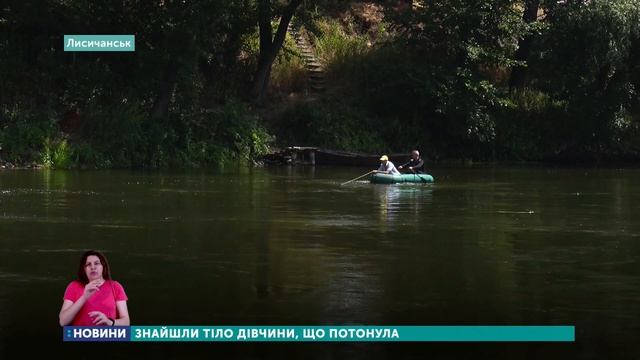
{"points": [[415, 164], [386, 166]]}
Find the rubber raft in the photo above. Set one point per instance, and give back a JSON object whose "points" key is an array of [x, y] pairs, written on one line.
{"points": [[402, 178]]}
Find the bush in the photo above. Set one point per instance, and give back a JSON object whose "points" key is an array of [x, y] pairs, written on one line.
{"points": [[57, 154], [224, 135], [24, 133], [116, 132], [330, 125]]}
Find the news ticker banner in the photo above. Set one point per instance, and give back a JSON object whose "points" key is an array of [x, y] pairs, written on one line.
{"points": [[99, 43], [320, 333]]}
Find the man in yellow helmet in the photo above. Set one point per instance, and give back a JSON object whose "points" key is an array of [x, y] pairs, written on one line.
{"points": [[386, 166]]}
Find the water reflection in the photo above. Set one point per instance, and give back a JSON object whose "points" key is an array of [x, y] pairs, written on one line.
{"points": [[401, 203], [292, 246]]}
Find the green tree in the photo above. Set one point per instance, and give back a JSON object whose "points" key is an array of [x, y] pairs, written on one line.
{"points": [[442, 76], [588, 62], [270, 44]]}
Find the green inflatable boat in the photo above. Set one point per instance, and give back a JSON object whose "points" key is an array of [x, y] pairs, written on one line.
{"points": [[402, 178]]}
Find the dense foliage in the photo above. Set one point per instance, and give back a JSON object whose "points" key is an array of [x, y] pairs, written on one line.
{"points": [[437, 75]]}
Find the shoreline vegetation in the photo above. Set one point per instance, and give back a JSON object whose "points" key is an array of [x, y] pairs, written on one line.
{"points": [[221, 83]]}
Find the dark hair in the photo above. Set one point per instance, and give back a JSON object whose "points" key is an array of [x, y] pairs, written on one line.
{"points": [[106, 270]]}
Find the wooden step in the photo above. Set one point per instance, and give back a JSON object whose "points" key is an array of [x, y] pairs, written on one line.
{"points": [[314, 68]]}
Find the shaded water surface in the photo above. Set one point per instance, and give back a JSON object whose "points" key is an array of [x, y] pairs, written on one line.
{"points": [[290, 246]]}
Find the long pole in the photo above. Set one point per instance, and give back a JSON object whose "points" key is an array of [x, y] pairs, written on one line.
{"points": [[359, 177]]}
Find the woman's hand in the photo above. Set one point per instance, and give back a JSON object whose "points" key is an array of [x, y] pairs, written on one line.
{"points": [[91, 288], [100, 318]]}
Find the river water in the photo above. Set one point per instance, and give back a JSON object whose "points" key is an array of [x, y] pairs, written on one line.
{"points": [[291, 246]]}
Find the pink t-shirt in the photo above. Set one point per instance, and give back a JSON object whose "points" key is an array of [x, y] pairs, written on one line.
{"points": [[103, 300]]}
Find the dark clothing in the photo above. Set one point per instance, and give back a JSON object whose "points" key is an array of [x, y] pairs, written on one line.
{"points": [[417, 165]]}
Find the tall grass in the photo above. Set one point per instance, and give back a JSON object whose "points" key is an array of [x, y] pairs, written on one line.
{"points": [[339, 51], [288, 73]]}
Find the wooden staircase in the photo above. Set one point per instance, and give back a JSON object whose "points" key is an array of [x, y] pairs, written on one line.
{"points": [[315, 69]]}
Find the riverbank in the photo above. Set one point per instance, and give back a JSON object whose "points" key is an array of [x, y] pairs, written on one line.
{"points": [[352, 76]]}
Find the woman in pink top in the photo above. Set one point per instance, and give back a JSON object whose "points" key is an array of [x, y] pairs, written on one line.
{"points": [[94, 299]]}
